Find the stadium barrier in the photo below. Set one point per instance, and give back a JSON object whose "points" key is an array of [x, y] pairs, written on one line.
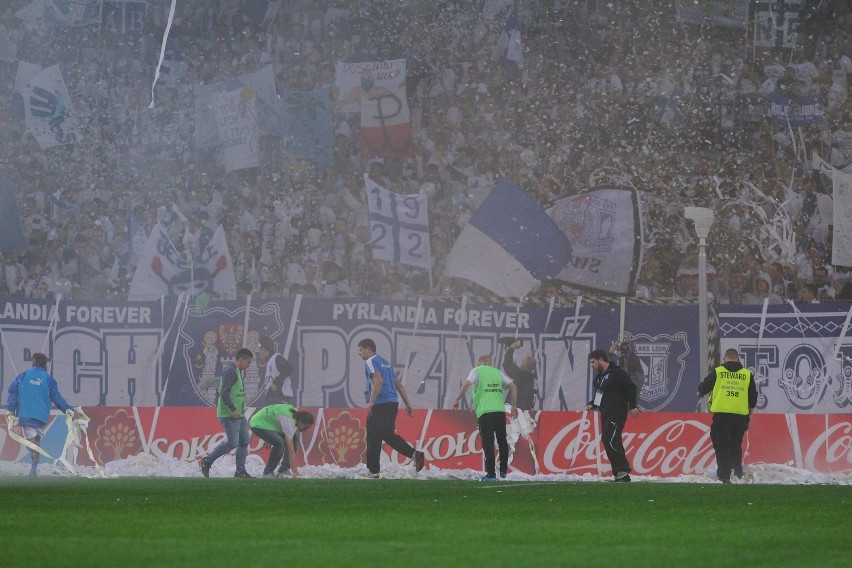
{"points": [[657, 443]]}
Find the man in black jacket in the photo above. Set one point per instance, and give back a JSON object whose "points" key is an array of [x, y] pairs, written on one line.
{"points": [[614, 395]]}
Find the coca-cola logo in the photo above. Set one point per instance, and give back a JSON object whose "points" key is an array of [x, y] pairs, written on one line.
{"points": [[832, 450], [676, 447], [573, 449]]}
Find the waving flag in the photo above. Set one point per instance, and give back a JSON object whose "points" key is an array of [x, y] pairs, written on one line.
{"points": [[510, 48], [162, 271], [399, 225], [265, 101], [47, 108], [236, 120], [510, 244], [72, 13], [306, 119], [605, 230], [377, 90], [776, 23]]}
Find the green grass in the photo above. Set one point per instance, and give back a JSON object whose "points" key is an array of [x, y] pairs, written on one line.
{"points": [[239, 523]]}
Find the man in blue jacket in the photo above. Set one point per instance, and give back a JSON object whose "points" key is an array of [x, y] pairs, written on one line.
{"points": [[29, 399]]}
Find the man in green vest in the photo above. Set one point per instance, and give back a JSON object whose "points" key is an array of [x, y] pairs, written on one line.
{"points": [[231, 412], [488, 404], [278, 425], [733, 395]]}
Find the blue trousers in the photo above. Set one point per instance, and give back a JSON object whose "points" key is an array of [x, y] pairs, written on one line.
{"points": [[237, 431]]}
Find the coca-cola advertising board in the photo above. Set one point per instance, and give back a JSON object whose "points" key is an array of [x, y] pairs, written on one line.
{"points": [[657, 444]]}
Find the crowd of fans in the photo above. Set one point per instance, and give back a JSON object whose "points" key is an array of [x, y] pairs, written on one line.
{"points": [[609, 92]]}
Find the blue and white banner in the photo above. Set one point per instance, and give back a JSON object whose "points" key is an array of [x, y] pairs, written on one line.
{"points": [[11, 230], [510, 245], [801, 111], [776, 23], [306, 121], [801, 356], [124, 16], [72, 13], [236, 121], [722, 13], [399, 225], [265, 100], [47, 107], [604, 227], [163, 271], [170, 353]]}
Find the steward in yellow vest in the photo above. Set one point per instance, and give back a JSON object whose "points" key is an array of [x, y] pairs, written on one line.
{"points": [[488, 384], [733, 395]]}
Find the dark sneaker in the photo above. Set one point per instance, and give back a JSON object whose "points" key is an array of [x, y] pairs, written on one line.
{"points": [[502, 475], [419, 461], [488, 478], [622, 477], [269, 475], [243, 475], [725, 481], [204, 467]]}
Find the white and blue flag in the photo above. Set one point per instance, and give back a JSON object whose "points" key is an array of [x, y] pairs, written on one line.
{"points": [[510, 245], [47, 108], [399, 226]]}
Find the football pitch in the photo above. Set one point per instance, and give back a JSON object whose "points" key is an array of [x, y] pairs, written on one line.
{"points": [[132, 522]]}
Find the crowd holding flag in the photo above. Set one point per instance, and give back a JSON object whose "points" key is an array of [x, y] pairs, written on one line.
{"points": [[236, 121], [399, 226], [510, 47], [163, 271], [776, 23], [47, 108], [510, 245], [306, 121], [262, 81]]}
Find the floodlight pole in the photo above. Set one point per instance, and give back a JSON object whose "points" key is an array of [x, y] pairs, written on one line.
{"points": [[703, 220]]}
